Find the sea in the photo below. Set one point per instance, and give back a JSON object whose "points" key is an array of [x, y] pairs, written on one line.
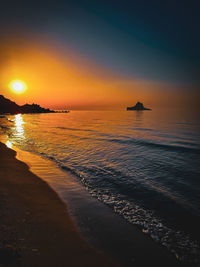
{"points": [[145, 165]]}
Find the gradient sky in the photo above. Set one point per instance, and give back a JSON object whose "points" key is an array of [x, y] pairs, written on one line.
{"points": [[98, 54]]}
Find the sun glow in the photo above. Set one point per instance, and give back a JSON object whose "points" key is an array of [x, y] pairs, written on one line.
{"points": [[18, 86]]}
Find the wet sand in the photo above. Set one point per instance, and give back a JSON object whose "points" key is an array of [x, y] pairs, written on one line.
{"points": [[35, 226], [103, 228]]}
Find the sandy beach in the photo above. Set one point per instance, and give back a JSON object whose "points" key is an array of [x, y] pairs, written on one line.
{"points": [[36, 229]]}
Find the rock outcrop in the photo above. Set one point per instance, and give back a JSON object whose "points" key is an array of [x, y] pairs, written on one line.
{"points": [[138, 106], [10, 107], [34, 108]]}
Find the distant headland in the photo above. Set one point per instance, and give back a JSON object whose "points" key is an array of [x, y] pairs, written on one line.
{"points": [[138, 106], [10, 107]]}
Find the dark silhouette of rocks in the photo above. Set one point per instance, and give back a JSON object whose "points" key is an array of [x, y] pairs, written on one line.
{"points": [[8, 106], [138, 106], [34, 108]]}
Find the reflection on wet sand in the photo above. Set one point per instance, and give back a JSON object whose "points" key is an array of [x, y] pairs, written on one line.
{"points": [[9, 144]]}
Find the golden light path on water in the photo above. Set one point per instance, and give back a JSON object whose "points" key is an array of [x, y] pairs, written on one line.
{"points": [[18, 129], [19, 125], [8, 144]]}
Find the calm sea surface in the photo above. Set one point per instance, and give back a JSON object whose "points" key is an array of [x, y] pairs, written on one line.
{"points": [[145, 165]]}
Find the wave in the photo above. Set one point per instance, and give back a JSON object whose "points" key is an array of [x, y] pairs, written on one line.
{"points": [[74, 129], [167, 147], [111, 184], [178, 242], [142, 129]]}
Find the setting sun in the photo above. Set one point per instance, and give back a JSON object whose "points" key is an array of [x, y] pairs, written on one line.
{"points": [[18, 86]]}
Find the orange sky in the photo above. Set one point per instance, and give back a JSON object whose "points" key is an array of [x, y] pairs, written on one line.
{"points": [[66, 80]]}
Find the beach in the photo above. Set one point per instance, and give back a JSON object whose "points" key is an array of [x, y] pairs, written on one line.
{"points": [[117, 194], [36, 229]]}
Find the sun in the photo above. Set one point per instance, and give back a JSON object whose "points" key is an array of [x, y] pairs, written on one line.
{"points": [[18, 86]]}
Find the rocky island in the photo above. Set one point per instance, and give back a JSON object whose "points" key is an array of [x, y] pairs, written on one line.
{"points": [[10, 107], [138, 106]]}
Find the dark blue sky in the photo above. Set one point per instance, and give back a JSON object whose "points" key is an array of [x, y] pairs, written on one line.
{"points": [[152, 40]]}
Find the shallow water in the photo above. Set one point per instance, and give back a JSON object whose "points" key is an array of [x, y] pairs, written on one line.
{"points": [[145, 165]]}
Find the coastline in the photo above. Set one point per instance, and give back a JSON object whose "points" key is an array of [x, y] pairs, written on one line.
{"points": [[136, 248], [36, 228]]}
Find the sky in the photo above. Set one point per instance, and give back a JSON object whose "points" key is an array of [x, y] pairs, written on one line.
{"points": [[82, 54]]}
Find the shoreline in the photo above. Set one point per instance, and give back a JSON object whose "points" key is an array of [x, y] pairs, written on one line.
{"points": [[121, 235], [36, 228]]}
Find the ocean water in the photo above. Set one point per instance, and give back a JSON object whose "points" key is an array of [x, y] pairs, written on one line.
{"points": [[144, 164]]}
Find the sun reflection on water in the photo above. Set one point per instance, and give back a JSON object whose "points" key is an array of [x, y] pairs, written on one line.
{"points": [[19, 125], [9, 144]]}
